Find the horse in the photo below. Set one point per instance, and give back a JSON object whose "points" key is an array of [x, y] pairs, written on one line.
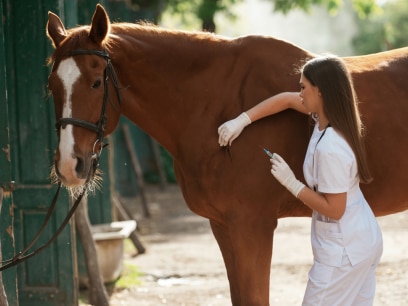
{"points": [[179, 86]]}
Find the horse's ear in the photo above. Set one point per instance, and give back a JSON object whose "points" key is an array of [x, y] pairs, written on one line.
{"points": [[55, 29], [100, 25]]}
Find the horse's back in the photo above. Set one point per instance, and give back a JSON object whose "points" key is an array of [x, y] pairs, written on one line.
{"points": [[381, 83]]}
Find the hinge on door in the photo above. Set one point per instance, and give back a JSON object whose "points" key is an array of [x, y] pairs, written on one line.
{"points": [[7, 151], [8, 186]]}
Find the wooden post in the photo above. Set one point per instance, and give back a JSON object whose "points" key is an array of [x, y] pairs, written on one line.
{"points": [[3, 296], [159, 163], [124, 215], [136, 167], [97, 291]]}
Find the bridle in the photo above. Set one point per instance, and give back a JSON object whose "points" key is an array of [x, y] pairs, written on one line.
{"points": [[100, 126], [99, 129]]}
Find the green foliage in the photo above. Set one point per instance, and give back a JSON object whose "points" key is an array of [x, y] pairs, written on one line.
{"points": [[285, 6], [205, 10], [366, 8], [131, 276], [363, 8], [384, 31]]}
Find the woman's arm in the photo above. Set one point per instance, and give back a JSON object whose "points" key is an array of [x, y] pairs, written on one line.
{"points": [[230, 130], [276, 104], [332, 205]]}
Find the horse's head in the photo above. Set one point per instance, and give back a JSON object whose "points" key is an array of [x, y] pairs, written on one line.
{"points": [[86, 96]]}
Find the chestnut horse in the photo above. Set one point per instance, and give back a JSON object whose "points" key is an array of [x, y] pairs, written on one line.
{"points": [[180, 86]]}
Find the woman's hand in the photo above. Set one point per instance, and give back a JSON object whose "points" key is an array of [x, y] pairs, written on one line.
{"points": [[230, 130], [282, 172]]}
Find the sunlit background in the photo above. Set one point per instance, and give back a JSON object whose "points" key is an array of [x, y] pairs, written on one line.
{"points": [[341, 32]]}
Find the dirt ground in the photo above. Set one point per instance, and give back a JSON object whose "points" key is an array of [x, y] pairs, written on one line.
{"points": [[183, 265]]}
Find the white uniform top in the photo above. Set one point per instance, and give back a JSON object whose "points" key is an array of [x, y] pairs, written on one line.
{"points": [[330, 167]]}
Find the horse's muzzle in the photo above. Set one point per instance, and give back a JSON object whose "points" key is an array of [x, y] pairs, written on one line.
{"points": [[75, 171]]}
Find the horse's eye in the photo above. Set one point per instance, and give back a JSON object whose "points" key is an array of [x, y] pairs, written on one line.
{"points": [[96, 84]]}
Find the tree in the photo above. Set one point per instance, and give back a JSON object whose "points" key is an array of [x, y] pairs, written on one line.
{"points": [[363, 8], [205, 10], [384, 31]]}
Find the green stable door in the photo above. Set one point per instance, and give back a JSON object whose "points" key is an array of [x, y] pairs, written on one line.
{"points": [[28, 141], [49, 277]]}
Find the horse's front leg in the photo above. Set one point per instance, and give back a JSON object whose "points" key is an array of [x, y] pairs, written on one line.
{"points": [[246, 246]]}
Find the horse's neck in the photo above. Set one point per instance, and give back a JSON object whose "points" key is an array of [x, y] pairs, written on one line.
{"points": [[168, 88], [181, 87]]}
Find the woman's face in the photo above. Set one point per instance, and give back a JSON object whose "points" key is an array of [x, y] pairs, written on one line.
{"points": [[310, 96]]}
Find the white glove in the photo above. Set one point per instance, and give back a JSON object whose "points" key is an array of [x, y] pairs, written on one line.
{"points": [[230, 130], [282, 172]]}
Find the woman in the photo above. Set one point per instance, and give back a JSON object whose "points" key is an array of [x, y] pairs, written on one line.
{"points": [[346, 239]]}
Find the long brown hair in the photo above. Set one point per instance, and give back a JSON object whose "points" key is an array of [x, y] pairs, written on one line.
{"points": [[330, 75]]}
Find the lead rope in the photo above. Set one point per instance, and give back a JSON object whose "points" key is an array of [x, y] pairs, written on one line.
{"points": [[99, 128], [20, 257]]}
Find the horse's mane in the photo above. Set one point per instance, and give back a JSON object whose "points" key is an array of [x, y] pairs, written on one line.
{"points": [[149, 29], [161, 36], [78, 37]]}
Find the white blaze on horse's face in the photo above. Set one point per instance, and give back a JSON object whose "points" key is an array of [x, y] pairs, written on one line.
{"points": [[68, 71]]}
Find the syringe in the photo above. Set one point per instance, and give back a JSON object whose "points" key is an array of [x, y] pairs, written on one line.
{"points": [[268, 153]]}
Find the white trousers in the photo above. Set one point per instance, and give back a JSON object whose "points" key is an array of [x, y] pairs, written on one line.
{"points": [[343, 286]]}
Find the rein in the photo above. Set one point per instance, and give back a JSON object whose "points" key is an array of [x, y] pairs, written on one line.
{"points": [[99, 129], [22, 256]]}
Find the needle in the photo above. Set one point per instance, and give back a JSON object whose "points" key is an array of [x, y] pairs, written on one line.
{"points": [[267, 152]]}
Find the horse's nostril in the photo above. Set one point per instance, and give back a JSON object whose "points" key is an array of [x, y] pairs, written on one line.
{"points": [[80, 166]]}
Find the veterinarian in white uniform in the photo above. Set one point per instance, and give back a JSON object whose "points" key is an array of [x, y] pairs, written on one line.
{"points": [[346, 252], [346, 239]]}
